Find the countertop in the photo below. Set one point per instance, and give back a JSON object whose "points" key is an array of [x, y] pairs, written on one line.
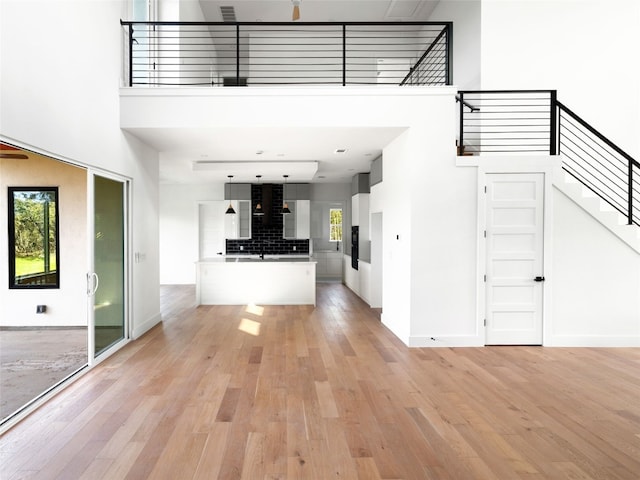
{"points": [[257, 259]]}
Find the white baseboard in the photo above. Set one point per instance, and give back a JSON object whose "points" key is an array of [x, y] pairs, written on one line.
{"points": [[140, 330], [446, 341], [594, 341]]}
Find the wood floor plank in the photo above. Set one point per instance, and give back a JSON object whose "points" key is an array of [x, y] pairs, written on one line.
{"points": [[287, 392]]}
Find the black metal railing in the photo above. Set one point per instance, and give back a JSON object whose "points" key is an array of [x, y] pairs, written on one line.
{"points": [[535, 122], [286, 53], [597, 163], [507, 121]]}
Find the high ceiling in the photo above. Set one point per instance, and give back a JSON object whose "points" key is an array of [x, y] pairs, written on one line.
{"points": [[321, 10], [220, 149]]}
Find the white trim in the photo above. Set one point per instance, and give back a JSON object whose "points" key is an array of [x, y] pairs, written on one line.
{"points": [[447, 341], [128, 261], [288, 91], [515, 164], [610, 341], [138, 331]]}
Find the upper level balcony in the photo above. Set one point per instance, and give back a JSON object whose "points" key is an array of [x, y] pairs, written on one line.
{"points": [[214, 54]]}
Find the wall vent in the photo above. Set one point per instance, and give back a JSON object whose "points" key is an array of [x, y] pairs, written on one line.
{"points": [[228, 14]]}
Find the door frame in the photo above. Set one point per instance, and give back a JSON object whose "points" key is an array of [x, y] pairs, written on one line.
{"points": [[128, 262], [548, 166]]}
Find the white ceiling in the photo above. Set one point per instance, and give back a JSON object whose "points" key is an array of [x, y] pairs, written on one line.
{"points": [[180, 149], [322, 10]]}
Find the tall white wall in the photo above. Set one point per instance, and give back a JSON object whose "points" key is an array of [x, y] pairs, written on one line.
{"points": [[586, 49], [59, 94], [465, 15], [429, 225], [179, 229], [596, 282]]}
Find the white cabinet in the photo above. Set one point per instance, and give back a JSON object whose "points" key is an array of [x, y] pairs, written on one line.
{"points": [[360, 217], [297, 224], [238, 226], [328, 264], [303, 219]]}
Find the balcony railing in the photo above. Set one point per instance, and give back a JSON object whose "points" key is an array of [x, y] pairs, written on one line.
{"points": [[535, 122], [285, 53]]}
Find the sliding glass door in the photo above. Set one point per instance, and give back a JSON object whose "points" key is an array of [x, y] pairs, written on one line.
{"points": [[108, 280]]}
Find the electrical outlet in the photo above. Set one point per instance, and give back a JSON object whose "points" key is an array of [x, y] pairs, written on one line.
{"points": [[41, 309], [294, 248], [241, 247]]}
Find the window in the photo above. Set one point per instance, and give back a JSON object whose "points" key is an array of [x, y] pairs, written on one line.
{"points": [[335, 225], [34, 257]]}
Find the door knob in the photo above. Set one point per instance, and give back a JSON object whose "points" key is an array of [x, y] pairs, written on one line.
{"points": [[538, 279]]}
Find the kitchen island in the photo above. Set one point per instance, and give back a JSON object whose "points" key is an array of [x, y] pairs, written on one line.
{"points": [[251, 279]]}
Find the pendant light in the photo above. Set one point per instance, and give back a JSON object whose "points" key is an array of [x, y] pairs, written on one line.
{"points": [[296, 10], [258, 211], [285, 208], [230, 210]]}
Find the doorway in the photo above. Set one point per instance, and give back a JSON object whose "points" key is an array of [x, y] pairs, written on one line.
{"points": [[514, 258], [47, 333], [107, 284]]}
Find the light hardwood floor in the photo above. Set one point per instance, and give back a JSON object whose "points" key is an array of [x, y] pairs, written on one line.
{"points": [[295, 392]]}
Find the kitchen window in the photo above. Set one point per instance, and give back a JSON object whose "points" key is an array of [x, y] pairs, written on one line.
{"points": [[34, 255], [335, 225]]}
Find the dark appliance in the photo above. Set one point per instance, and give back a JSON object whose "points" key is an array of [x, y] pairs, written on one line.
{"points": [[354, 247]]}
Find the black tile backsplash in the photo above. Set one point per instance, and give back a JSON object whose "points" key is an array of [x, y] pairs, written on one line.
{"points": [[267, 231]]}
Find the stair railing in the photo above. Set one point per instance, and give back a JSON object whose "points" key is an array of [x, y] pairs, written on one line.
{"points": [[535, 122], [599, 164]]}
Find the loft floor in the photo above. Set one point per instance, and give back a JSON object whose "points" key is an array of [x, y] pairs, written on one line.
{"points": [[296, 392]]}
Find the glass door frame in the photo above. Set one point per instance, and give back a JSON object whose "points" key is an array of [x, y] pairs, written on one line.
{"points": [[92, 283]]}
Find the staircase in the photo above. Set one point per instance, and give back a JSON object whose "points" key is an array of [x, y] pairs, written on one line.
{"points": [[596, 174], [599, 209]]}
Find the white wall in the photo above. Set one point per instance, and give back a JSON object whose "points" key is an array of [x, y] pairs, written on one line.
{"points": [[586, 49], [325, 196], [596, 282], [179, 229], [465, 15], [434, 215], [59, 94]]}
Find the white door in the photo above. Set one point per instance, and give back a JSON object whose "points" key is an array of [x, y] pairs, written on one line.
{"points": [[514, 276]]}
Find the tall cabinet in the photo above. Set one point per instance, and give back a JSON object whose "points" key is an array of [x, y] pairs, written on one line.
{"points": [[297, 224], [238, 226]]}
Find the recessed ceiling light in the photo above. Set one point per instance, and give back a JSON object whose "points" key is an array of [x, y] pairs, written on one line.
{"points": [[321, 176], [340, 150], [259, 152]]}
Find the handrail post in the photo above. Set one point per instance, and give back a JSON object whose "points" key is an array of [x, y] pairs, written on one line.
{"points": [[131, 55], [630, 194], [449, 55], [461, 146], [237, 54], [553, 122], [344, 54]]}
